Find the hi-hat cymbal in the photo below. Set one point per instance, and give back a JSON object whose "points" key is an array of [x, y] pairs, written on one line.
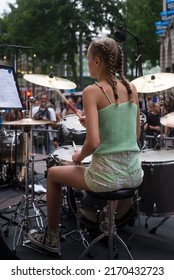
{"points": [[46, 81], [168, 120], [28, 121], [154, 82]]}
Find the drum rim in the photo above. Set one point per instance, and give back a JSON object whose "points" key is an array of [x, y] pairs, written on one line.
{"points": [[157, 161], [84, 161]]}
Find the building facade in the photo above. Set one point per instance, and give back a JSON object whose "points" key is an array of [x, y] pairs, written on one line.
{"points": [[167, 38]]}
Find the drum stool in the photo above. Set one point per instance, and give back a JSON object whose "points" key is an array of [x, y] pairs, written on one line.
{"points": [[111, 232]]}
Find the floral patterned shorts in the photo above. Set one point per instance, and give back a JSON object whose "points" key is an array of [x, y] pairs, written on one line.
{"points": [[114, 172]]}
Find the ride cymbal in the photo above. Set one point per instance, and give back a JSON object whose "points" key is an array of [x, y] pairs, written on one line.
{"points": [[49, 81], [168, 120], [154, 82], [28, 121]]}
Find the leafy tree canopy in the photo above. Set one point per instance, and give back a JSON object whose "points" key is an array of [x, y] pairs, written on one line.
{"points": [[54, 28]]}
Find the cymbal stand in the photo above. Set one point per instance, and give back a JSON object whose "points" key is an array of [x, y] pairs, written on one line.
{"points": [[21, 214]]}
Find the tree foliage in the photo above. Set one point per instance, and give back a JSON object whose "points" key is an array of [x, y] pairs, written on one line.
{"points": [[56, 28], [139, 21]]}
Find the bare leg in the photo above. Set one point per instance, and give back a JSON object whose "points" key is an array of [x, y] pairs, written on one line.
{"points": [[72, 176]]}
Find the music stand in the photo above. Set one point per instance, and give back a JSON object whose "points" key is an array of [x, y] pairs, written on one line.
{"points": [[10, 95]]}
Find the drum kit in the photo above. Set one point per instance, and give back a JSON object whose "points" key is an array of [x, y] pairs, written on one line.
{"points": [[153, 162]]}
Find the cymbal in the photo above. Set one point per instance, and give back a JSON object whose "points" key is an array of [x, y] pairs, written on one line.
{"points": [[154, 82], [168, 120], [28, 121], [46, 81]]}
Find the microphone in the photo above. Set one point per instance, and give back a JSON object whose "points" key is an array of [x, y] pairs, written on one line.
{"points": [[120, 34]]}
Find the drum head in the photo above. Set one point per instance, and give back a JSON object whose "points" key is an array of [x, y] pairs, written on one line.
{"points": [[71, 122], [156, 156], [63, 155], [72, 130]]}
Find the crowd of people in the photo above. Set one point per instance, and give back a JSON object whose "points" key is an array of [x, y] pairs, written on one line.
{"points": [[155, 107]]}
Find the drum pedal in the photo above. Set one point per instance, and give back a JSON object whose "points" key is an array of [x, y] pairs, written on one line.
{"points": [[28, 244]]}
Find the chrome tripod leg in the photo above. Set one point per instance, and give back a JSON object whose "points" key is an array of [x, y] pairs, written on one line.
{"points": [[23, 218], [78, 229], [20, 218]]}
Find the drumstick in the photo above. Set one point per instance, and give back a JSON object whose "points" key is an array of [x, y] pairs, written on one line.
{"points": [[67, 102], [74, 145]]}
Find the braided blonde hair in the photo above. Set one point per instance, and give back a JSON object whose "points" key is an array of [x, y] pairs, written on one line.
{"points": [[112, 55]]}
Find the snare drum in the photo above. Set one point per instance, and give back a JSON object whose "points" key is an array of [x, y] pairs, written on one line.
{"points": [[72, 129], [157, 188], [63, 156]]}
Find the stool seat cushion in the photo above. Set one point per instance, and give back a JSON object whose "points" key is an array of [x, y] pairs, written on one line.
{"points": [[113, 195]]}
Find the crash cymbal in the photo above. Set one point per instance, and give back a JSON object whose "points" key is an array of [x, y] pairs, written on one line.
{"points": [[27, 121], [168, 120], [154, 82], [49, 81]]}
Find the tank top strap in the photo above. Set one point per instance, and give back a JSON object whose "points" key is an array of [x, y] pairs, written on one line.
{"points": [[104, 92]]}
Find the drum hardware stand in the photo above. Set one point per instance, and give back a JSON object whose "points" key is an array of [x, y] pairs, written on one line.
{"points": [[23, 207], [78, 229], [64, 208], [136, 200]]}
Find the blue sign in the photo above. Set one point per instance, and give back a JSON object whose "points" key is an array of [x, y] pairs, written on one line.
{"points": [[162, 23], [167, 13], [159, 32], [169, 1]]}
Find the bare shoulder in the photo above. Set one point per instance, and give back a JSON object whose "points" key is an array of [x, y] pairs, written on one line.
{"points": [[90, 88], [134, 90]]}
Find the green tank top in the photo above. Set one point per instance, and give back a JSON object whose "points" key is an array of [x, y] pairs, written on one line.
{"points": [[117, 128]]}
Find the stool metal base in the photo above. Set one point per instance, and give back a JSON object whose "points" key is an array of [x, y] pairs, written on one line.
{"points": [[111, 232], [110, 245]]}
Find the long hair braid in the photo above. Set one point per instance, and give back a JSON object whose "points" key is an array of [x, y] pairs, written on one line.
{"points": [[109, 57], [112, 77], [120, 71]]}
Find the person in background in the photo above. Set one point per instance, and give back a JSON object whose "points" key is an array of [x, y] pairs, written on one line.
{"points": [[79, 103], [153, 125], [112, 121], [67, 110], [44, 137]]}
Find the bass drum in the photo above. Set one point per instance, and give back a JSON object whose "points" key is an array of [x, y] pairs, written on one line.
{"points": [[156, 190], [92, 209]]}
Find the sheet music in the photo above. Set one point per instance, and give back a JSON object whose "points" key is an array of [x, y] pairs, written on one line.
{"points": [[9, 95]]}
